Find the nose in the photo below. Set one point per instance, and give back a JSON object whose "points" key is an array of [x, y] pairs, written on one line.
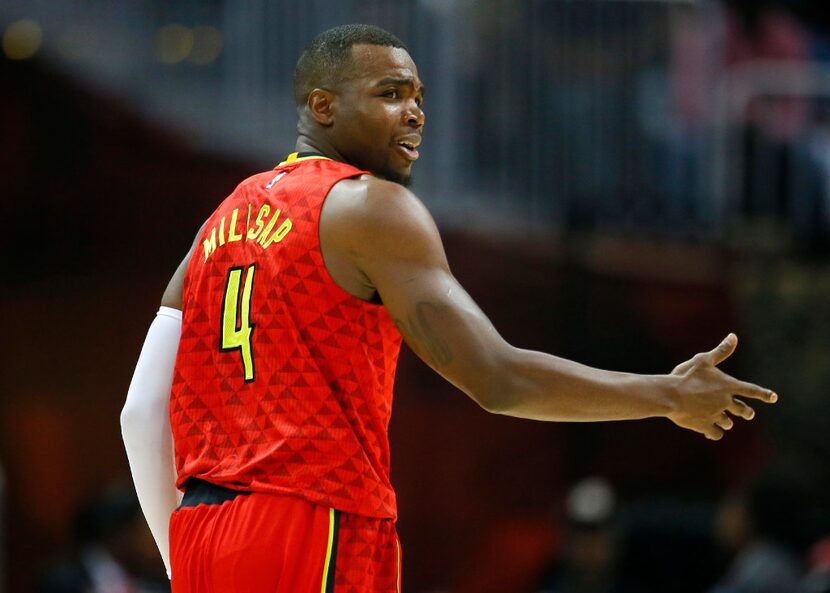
{"points": [[415, 116]]}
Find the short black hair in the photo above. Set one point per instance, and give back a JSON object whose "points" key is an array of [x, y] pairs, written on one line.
{"points": [[327, 55]]}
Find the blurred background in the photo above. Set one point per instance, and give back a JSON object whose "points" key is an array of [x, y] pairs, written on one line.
{"points": [[620, 182]]}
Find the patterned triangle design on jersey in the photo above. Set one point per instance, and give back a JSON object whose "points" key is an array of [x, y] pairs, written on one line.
{"points": [[197, 403], [201, 346], [224, 257], [317, 354], [290, 282], [234, 400], [314, 422], [331, 341], [300, 288], [320, 323], [296, 459], [306, 217], [252, 426], [226, 442], [287, 394], [207, 417], [352, 481], [338, 423], [305, 259], [280, 469], [336, 312], [304, 270], [311, 447], [189, 332]]}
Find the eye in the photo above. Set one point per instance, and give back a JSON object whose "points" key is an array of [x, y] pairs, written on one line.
{"points": [[419, 101], [391, 94]]}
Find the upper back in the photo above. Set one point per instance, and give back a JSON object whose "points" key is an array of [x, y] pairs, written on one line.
{"points": [[271, 341]]}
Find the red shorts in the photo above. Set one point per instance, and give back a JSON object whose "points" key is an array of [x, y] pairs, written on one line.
{"points": [[222, 542]]}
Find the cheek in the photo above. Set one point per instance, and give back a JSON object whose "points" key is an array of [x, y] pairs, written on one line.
{"points": [[381, 118]]}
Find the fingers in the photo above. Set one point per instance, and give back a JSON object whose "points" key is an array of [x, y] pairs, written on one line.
{"points": [[714, 433], [724, 350], [724, 422], [741, 410], [749, 390]]}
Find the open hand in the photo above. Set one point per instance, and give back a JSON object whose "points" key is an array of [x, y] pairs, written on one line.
{"points": [[706, 398]]}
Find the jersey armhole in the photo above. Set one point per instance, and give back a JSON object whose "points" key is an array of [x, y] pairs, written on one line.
{"points": [[375, 301]]}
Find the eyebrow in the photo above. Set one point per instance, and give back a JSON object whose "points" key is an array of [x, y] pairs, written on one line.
{"points": [[403, 82]]}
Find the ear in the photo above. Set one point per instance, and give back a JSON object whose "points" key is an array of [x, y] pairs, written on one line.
{"points": [[321, 106]]}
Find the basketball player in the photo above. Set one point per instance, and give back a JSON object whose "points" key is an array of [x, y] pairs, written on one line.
{"points": [[278, 338]]}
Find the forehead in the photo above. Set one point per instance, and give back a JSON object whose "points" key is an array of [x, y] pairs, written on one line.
{"points": [[371, 63]]}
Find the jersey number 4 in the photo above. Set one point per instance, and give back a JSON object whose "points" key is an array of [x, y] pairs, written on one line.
{"points": [[237, 328]]}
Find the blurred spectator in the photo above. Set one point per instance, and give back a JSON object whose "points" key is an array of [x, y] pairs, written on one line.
{"points": [[760, 32], [782, 180], [114, 551], [762, 527], [589, 560], [818, 577]]}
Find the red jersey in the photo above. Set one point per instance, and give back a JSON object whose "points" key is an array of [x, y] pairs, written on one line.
{"points": [[283, 381]]}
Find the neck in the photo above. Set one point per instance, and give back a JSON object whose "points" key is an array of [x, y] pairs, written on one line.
{"points": [[306, 143]]}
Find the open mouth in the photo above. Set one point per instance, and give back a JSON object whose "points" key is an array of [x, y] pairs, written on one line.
{"points": [[409, 149]]}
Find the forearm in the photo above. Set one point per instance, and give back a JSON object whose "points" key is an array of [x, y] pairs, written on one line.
{"points": [[145, 426], [545, 387]]}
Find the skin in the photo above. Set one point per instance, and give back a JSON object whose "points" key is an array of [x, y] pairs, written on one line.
{"points": [[380, 242]]}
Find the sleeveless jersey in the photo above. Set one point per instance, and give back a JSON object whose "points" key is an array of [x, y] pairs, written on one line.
{"points": [[283, 381]]}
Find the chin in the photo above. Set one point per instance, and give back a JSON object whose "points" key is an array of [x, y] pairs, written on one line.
{"points": [[399, 177]]}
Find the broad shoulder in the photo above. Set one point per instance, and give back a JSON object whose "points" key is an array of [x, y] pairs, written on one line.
{"points": [[373, 205], [372, 221]]}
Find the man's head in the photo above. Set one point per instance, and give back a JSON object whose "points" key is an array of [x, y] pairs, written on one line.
{"points": [[358, 96]]}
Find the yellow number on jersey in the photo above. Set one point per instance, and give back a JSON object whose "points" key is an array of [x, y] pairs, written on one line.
{"points": [[236, 327]]}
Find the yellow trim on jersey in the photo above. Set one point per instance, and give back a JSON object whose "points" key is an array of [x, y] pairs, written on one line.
{"points": [[329, 550], [294, 158]]}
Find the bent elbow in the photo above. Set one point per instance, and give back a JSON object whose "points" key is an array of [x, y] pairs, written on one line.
{"points": [[494, 386], [495, 394], [496, 402], [136, 419], [129, 418]]}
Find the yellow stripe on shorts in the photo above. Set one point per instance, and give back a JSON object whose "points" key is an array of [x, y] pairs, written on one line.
{"points": [[329, 551], [398, 580]]}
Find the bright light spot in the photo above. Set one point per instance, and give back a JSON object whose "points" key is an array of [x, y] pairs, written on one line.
{"points": [[22, 39], [173, 43], [207, 45]]}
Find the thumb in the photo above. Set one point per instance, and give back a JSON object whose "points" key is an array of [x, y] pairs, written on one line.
{"points": [[724, 349]]}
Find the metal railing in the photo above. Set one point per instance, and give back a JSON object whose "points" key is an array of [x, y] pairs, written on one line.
{"points": [[735, 92], [541, 114]]}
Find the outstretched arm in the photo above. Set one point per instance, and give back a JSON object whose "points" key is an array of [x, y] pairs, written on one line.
{"points": [[394, 242], [145, 418]]}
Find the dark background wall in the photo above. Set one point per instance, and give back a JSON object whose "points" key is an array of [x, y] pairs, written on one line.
{"points": [[99, 202]]}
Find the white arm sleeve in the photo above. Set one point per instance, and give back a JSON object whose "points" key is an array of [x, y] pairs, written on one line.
{"points": [[145, 427]]}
